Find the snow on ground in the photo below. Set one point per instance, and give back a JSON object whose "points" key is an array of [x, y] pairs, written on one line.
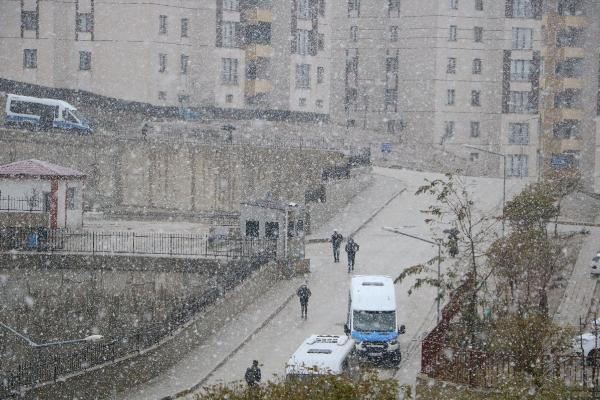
{"points": [[231, 351]]}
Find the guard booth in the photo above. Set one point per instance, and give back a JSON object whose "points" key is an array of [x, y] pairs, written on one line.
{"points": [[275, 220]]}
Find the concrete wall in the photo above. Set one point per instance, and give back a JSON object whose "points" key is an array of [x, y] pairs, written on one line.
{"points": [[102, 383], [168, 174]]}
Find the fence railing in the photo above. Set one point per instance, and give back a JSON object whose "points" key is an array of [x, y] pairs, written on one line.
{"points": [[49, 368], [22, 204], [126, 242]]}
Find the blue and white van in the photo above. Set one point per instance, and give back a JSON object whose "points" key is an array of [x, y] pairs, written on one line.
{"points": [[372, 320], [30, 111]]}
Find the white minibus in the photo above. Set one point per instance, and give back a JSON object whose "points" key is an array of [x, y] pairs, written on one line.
{"points": [[320, 355], [372, 320], [34, 112]]}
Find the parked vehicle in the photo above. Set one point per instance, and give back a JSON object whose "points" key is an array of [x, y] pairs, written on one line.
{"points": [[372, 320], [596, 264], [321, 355], [44, 114], [589, 344]]}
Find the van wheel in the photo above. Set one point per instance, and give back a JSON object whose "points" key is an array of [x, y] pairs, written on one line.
{"points": [[396, 357]]}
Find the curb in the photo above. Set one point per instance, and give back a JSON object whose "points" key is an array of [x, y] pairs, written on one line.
{"points": [[232, 353]]}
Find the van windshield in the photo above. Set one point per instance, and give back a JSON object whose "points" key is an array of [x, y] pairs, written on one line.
{"points": [[374, 321]]}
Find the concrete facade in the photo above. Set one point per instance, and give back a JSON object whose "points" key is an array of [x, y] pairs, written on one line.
{"points": [[228, 54]]}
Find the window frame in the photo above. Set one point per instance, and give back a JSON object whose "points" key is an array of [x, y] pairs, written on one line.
{"points": [[85, 60], [162, 24], [30, 59]]}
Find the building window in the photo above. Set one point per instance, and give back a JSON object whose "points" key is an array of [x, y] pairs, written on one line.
{"points": [[521, 38], [568, 98], [393, 8], [567, 129], [518, 133], [477, 66], [303, 9], [391, 100], [29, 20], [162, 95], [479, 5], [450, 97], [252, 229], [451, 66], [520, 70], [231, 5], [518, 102], [475, 98], [570, 7], [85, 22], [473, 157], [321, 41], [478, 34], [70, 198], [30, 58], [523, 9], [162, 62], [319, 103], [184, 64], [85, 60], [229, 71], [452, 33], [448, 131], [272, 230], [353, 8], [516, 165], [475, 129], [302, 42], [453, 4], [393, 33], [229, 98], [184, 27], [354, 33], [320, 74], [303, 76], [162, 24], [569, 37], [302, 101], [229, 34], [570, 68]]}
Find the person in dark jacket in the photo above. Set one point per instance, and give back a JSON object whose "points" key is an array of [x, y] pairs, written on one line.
{"points": [[336, 242], [252, 374], [303, 293], [351, 250]]}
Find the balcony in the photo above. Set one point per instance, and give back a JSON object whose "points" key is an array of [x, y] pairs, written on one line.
{"points": [[575, 21], [257, 87], [571, 83], [254, 15]]}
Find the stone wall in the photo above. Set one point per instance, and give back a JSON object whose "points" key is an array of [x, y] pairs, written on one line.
{"points": [[174, 174], [104, 382]]}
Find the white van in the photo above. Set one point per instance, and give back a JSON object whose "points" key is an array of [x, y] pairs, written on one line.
{"points": [[371, 319], [35, 112], [320, 355]]}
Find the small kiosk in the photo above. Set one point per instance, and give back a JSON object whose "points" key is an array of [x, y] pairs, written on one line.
{"points": [[275, 220]]}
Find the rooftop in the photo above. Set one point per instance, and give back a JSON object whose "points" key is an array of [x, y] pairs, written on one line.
{"points": [[37, 169]]}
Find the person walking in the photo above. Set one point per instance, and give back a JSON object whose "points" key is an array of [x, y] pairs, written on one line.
{"points": [[252, 374], [351, 250], [336, 243], [303, 293]]}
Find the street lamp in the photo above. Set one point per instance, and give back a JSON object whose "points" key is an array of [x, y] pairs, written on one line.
{"points": [[91, 338], [503, 177], [439, 246]]}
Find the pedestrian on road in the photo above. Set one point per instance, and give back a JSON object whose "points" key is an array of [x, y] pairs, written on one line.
{"points": [[351, 250], [303, 293], [145, 129], [252, 375], [336, 242]]}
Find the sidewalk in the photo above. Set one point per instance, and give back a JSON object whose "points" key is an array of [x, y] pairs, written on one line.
{"points": [[208, 363]]}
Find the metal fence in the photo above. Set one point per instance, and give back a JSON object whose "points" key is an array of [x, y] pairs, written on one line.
{"points": [[127, 242], [23, 204], [49, 368]]}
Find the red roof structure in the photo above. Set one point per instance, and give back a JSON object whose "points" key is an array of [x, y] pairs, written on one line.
{"points": [[38, 169]]}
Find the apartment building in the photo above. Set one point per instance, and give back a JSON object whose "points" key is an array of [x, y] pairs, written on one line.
{"points": [[229, 54], [449, 74]]}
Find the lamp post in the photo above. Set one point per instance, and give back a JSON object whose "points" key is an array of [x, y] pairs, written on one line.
{"points": [[31, 343], [503, 177], [439, 246]]}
